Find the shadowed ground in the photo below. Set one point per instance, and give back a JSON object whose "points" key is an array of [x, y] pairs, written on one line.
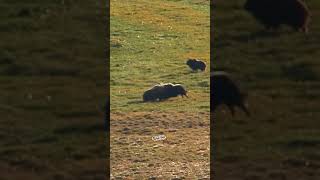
{"points": [[280, 70], [53, 87]]}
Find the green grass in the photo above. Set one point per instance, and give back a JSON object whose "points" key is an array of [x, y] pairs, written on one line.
{"points": [[53, 87], [280, 69], [150, 45]]}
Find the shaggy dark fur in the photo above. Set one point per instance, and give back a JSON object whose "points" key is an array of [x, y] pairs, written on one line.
{"points": [[195, 64], [273, 13], [223, 90], [164, 91]]}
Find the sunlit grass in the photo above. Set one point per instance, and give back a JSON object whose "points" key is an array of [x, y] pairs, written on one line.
{"points": [[150, 43]]}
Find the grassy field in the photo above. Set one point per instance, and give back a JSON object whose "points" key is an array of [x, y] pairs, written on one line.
{"points": [[281, 72], [150, 43], [53, 86]]}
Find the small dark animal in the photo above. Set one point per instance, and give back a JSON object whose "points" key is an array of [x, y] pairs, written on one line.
{"points": [[195, 64], [273, 13], [223, 90], [164, 91]]}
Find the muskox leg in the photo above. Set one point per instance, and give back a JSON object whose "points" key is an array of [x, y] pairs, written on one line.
{"points": [[304, 29], [244, 108]]}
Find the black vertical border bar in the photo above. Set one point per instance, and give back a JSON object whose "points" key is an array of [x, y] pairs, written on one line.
{"points": [[107, 114], [211, 98]]}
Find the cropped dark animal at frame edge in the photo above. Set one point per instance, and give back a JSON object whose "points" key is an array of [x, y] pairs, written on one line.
{"points": [[196, 64], [164, 91], [223, 90], [273, 13]]}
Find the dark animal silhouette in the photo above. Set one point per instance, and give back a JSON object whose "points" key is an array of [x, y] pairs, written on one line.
{"points": [[273, 13], [223, 90], [107, 114], [164, 91], [195, 64]]}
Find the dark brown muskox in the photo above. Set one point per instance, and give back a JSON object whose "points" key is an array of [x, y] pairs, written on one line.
{"points": [[164, 91], [273, 13], [223, 90], [195, 64]]}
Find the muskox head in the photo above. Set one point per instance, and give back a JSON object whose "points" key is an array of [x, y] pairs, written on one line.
{"points": [[179, 90], [190, 62]]}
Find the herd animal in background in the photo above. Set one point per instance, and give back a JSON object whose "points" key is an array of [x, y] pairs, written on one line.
{"points": [[224, 90], [273, 13], [196, 64]]}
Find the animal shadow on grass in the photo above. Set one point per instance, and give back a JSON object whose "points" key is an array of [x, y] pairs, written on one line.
{"points": [[261, 34], [136, 102], [190, 72], [141, 101]]}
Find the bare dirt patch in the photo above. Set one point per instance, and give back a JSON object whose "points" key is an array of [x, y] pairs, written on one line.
{"points": [[183, 154]]}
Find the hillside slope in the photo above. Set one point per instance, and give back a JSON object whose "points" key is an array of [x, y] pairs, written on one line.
{"points": [[281, 71], [53, 86], [150, 43]]}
